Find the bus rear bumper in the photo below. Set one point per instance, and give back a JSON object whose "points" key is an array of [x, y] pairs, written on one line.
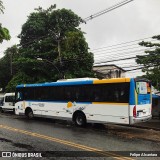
{"points": [[133, 120]]}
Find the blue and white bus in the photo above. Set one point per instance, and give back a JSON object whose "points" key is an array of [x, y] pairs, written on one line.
{"points": [[120, 100]]}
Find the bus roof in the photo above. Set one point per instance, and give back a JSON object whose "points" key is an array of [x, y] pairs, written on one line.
{"points": [[80, 82]]}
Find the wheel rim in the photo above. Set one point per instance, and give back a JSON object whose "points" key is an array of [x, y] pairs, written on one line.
{"points": [[79, 120], [30, 114]]}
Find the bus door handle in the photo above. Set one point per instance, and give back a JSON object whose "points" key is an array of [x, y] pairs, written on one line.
{"points": [[57, 112], [91, 115]]}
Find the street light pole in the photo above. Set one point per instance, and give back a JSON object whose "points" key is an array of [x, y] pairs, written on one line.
{"points": [[40, 59]]}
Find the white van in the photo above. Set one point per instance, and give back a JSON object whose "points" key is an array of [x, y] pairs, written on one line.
{"points": [[8, 102]]}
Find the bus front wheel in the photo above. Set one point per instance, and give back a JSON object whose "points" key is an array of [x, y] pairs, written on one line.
{"points": [[80, 119], [29, 114]]}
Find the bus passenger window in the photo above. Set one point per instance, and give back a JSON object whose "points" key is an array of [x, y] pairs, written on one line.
{"points": [[19, 96], [96, 96], [68, 95], [77, 95], [116, 96]]}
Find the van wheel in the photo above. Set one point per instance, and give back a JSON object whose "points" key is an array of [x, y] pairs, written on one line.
{"points": [[1, 110], [80, 120], [29, 114], [14, 111]]}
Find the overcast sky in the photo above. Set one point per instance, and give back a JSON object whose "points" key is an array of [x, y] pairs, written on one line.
{"points": [[135, 20]]}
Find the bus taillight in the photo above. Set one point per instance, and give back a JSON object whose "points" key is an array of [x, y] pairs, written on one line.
{"points": [[134, 111]]}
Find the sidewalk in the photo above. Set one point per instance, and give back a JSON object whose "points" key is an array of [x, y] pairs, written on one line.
{"points": [[148, 130], [152, 124]]}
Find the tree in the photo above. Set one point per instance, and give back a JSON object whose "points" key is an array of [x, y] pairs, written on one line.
{"points": [[1, 7], [6, 65], [4, 33], [77, 61], [151, 61], [53, 35], [19, 78]]}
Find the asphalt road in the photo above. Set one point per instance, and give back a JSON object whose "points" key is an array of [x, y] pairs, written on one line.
{"points": [[63, 139]]}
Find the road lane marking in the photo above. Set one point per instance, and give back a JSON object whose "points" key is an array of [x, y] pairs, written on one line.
{"points": [[75, 145]]}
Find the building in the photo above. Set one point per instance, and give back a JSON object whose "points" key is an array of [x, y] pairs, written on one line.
{"points": [[109, 71]]}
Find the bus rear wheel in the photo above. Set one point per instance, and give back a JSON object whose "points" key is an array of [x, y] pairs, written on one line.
{"points": [[29, 114], [80, 120]]}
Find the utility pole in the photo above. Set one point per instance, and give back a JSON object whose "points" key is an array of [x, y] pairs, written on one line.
{"points": [[11, 70], [60, 59], [59, 53]]}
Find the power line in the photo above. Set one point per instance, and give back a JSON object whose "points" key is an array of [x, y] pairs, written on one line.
{"points": [[122, 53], [116, 48], [123, 56], [118, 57], [115, 60], [107, 10], [88, 18], [122, 43], [119, 67]]}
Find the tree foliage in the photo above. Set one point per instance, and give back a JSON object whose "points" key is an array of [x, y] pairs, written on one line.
{"points": [[1, 7], [151, 61], [4, 33], [7, 68], [54, 36]]}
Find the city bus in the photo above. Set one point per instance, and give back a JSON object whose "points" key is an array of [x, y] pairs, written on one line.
{"points": [[119, 100]]}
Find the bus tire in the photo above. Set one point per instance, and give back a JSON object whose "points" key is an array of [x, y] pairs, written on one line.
{"points": [[29, 113], [80, 119]]}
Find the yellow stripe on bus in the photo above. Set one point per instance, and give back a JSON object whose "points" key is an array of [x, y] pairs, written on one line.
{"points": [[114, 80], [136, 97], [110, 103]]}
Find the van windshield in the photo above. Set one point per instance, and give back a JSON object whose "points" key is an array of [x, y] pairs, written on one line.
{"points": [[9, 98]]}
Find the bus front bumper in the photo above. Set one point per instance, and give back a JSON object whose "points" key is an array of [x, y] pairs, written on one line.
{"points": [[133, 120]]}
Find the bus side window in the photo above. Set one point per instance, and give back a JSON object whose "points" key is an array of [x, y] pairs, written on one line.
{"points": [[68, 95], [123, 96], [19, 96], [116, 95], [77, 95], [96, 97]]}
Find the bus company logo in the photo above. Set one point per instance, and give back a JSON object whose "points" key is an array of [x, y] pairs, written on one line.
{"points": [[41, 104], [6, 154]]}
